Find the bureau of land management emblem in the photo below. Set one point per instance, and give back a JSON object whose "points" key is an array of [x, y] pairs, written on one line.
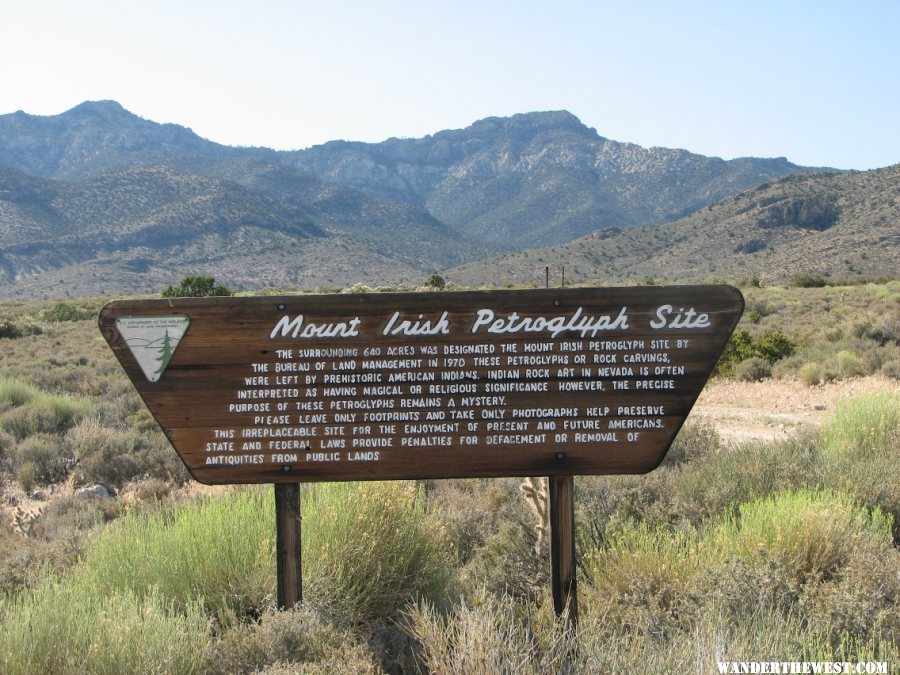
{"points": [[153, 340]]}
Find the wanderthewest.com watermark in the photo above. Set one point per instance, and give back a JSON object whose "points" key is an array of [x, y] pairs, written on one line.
{"points": [[790, 667]]}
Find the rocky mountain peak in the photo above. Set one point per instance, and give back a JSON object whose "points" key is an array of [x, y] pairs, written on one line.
{"points": [[106, 110]]}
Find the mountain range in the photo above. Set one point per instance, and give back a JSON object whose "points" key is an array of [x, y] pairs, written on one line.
{"points": [[97, 200]]}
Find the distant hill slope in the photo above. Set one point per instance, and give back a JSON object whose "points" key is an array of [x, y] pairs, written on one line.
{"points": [[538, 178], [98, 196], [116, 230], [843, 226]]}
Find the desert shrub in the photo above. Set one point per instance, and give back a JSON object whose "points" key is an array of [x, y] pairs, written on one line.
{"points": [[44, 414], [65, 627], [848, 364], [862, 599], [70, 516], [295, 640], [508, 563], [494, 532], [28, 420], [812, 533], [891, 369], [643, 575], [808, 280], [771, 346], [14, 393], [28, 552], [753, 369], [64, 311], [9, 330], [12, 330], [604, 647], [218, 550], [113, 457], [774, 345], [696, 440], [369, 548], [496, 637], [7, 446], [470, 510], [739, 473], [861, 450], [810, 374], [39, 460], [490, 636], [196, 286], [435, 281], [883, 330], [782, 555], [735, 588]]}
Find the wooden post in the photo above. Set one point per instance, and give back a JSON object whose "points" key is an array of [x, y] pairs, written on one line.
{"points": [[287, 545], [562, 548]]}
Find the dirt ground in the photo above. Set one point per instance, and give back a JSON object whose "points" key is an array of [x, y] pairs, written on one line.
{"points": [[771, 409]]}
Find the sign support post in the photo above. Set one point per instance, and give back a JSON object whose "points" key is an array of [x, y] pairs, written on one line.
{"points": [[561, 495], [287, 544]]}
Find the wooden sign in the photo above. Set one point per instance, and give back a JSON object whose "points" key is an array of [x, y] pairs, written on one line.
{"points": [[423, 385]]}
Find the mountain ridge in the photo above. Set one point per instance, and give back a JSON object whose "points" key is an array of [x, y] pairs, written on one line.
{"points": [[99, 192]]}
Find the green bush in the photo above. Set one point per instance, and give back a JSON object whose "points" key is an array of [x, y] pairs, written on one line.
{"points": [[44, 414], [369, 548], [63, 311], [848, 364], [808, 280], [753, 369], [69, 628], [220, 551], [39, 461], [774, 345], [196, 286], [771, 347], [810, 374], [14, 393], [772, 555], [435, 281], [12, 330], [861, 450], [736, 474], [812, 533]]}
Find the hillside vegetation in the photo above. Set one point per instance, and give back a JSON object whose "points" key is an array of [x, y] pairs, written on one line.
{"points": [[837, 226], [783, 550]]}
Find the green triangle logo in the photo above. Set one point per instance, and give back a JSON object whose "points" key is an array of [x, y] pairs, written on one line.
{"points": [[153, 340]]}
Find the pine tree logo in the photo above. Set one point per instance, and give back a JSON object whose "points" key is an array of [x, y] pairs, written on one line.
{"points": [[153, 340], [165, 355]]}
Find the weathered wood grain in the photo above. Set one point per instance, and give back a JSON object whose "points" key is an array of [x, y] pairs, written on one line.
{"points": [[229, 357]]}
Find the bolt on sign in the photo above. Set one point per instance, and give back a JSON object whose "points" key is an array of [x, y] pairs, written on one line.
{"points": [[423, 385]]}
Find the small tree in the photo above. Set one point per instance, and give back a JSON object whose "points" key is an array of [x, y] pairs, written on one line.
{"points": [[196, 286], [435, 281]]}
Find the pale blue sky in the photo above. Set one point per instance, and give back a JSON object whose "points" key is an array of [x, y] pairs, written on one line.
{"points": [[817, 82]]}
